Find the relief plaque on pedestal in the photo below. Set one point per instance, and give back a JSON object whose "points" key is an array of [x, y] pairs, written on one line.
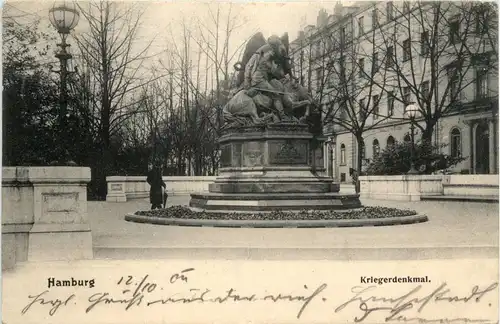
{"points": [[236, 155], [252, 154], [318, 157], [288, 152], [225, 156]]}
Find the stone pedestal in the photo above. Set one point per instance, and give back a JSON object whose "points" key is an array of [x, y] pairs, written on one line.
{"points": [[270, 167], [44, 214]]}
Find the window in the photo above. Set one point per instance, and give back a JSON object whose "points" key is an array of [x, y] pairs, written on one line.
{"points": [[319, 78], [376, 147], [390, 140], [436, 10], [481, 82], [389, 60], [424, 43], [329, 43], [375, 109], [406, 96], [390, 103], [374, 19], [406, 50], [390, 11], [362, 109], [330, 75], [406, 7], [318, 49], [342, 154], [361, 63], [342, 36], [424, 90], [342, 177], [454, 80], [375, 62], [454, 32], [363, 150], [343, 109], [456, 143], [481, 21], [407, 138], [342, 65], [361, 26]]}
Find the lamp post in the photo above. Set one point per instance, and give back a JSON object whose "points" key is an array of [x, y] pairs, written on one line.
{"points": [[64, 17], [411, 111], [331, 148]]}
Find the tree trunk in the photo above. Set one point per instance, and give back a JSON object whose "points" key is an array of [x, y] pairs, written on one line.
{"points": [[359, 162], [428, 132]]}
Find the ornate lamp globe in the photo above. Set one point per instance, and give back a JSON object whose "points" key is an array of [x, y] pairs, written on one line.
{"points": [[64, 16], [412, 110]]}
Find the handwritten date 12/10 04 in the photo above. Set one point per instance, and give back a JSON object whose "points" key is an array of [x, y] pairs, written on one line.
{"points": [[182, 276], [143, 286]]}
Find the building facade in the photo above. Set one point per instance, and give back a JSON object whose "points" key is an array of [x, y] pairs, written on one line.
{"points": [[366, 64]]}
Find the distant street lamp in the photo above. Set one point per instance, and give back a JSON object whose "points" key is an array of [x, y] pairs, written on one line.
{"points": [[411, 111], [64, 17], [331, 148]]}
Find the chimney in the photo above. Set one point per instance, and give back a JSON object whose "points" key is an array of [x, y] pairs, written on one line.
{"points": [[338, 10], [322, 19]]}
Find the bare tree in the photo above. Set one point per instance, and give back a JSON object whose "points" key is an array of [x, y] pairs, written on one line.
{"points": [[199, 62], [114, 64], [486, 21], [350, 83], [437, 55], [214, 40]]}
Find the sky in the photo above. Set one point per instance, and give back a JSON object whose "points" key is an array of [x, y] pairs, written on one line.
{"points": [[269, 17], [162, 20]]}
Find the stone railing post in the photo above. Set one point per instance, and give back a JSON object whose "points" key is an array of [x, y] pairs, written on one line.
{"points": [[17, 215], [61, 228], [116, 189], [412, 187]]}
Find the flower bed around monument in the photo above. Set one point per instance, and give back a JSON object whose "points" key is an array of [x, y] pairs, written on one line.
{"points": [[181, 212]]}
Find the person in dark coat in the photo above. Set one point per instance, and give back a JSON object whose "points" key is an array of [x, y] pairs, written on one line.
{"points": [[157, 184]]}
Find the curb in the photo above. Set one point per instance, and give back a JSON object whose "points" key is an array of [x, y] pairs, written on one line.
{"points": [[295, 253], [479, 199], [403, 220]]}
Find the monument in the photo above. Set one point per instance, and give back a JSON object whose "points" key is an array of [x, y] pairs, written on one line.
{"points": [[271, 126]]}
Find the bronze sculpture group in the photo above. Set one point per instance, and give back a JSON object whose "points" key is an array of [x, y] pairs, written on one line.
{"points": [[265, 90]]}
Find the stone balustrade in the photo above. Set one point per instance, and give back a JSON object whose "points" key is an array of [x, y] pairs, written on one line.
{"points": [[400, 187], [44, 214], [413, 187], [123, 188], [471, 184]]}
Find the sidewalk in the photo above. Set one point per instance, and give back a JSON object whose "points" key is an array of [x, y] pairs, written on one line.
{"points": [[454, 229]]}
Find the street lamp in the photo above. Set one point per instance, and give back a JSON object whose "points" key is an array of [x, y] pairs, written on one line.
{"points": [[331, 148], [411, 111], [64, 17]]}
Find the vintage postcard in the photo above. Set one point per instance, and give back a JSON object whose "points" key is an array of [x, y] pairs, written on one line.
{"points": [[250, 162]]}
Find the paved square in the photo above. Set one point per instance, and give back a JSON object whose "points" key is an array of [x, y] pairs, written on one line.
{"points": [[454, 229]]}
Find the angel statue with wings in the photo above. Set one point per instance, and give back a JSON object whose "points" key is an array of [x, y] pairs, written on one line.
{"points": [[265, 89]]}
